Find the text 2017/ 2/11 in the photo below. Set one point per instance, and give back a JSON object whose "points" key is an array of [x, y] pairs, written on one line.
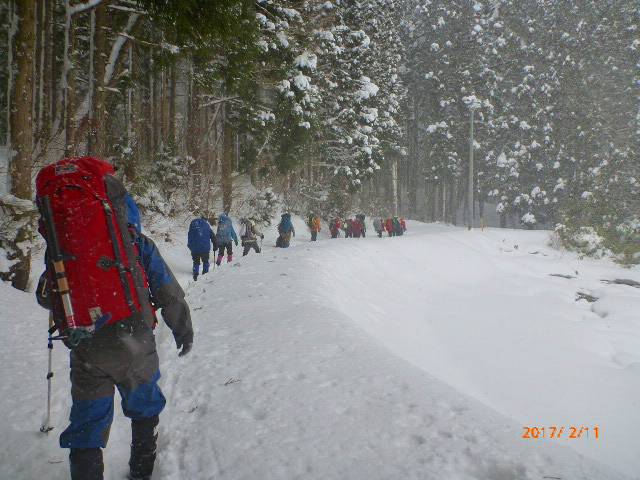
{"points": [[561, 432]]}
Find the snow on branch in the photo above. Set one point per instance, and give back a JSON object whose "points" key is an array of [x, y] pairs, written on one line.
{"points": [[116, 50], [83, 7], [218, 100], [122, 8]]}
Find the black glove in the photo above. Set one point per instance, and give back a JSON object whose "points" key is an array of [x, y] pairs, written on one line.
{"points": [[185, 342], [262, 236], [75, 336], [185, 349], [236, 242]]}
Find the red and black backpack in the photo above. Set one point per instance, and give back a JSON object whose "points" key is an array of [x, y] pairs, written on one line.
{"points": [[84, 213]]}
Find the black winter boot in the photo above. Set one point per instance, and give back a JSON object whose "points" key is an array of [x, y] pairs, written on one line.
{"points": [[86, 464], [143, 448]]}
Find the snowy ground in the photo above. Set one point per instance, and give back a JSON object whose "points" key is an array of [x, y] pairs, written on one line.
{"points": [[415, 357]]}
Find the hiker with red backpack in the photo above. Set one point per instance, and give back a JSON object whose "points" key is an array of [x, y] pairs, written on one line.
{"points": [[224, 236], [200, 240], [103, 280]]}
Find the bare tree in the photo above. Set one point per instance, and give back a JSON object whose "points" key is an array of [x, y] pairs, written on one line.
{"points": [[21, 140]]}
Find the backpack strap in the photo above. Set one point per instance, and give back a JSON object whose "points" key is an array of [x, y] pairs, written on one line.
{"points": [[118, 254]]}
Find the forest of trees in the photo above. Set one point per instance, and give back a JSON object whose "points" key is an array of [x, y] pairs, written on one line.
{"points": [[336, 105]]}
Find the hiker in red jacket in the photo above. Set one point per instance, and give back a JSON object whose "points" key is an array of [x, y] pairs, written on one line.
{"points": [[388, 226], [335, 226], [357, 228]]}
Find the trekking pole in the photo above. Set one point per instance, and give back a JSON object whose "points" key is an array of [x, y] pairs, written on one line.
{"points": [[46, 428]]}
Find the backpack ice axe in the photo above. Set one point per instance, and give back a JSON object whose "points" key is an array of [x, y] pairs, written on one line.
{"points": [[56, 257]]}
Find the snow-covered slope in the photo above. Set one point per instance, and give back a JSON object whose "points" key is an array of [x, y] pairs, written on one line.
{"points": [[414, 357]]}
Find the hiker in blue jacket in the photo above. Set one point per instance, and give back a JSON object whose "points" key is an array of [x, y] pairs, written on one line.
{"points": [[224, 236], [200, 240], [286, 230]]}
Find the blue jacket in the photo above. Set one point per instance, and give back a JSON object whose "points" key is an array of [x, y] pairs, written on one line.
{"points": [[200, 236], [165, 290], [286, 225], [225, 233]]}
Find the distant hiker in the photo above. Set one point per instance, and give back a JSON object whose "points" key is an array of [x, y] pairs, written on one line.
{"points": [[363, 226], [335, 226], [397, 227], [249, 236], [403, 224], [103, 280], [348, 228], [357, 228], [378, 226], [200, 240], [285, 230], [388, 226], [224, 236], [314, 226]]}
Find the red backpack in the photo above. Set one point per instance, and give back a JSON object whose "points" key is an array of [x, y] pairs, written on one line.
{"points": [[91, 254]]}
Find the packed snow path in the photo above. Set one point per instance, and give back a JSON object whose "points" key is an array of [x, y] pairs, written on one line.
{"points": [[415, 357]]}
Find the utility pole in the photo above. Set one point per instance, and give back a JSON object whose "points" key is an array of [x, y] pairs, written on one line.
{"points": [[470, 192]]}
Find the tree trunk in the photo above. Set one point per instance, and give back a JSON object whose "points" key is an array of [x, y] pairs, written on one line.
{"points": [[171, 92], [130, 163], [394, 186], [21, 127], [45, 90], [36, 72], [227, 161], [164, 109], [153, 116], [9, 65], [52, 93], [96, 141], [69, 86]]}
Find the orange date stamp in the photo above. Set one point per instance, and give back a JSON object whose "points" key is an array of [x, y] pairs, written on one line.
{"points": [[561, 432]]}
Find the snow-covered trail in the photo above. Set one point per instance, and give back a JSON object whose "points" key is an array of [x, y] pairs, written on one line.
{"points": [[375, 358]]}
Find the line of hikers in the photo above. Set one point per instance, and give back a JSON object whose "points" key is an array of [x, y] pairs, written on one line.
{"points": [[356, 227], [202, 240], [351, 227]]}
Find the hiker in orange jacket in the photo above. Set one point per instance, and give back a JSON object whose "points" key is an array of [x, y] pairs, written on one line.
{"points": [[314, 226]]}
